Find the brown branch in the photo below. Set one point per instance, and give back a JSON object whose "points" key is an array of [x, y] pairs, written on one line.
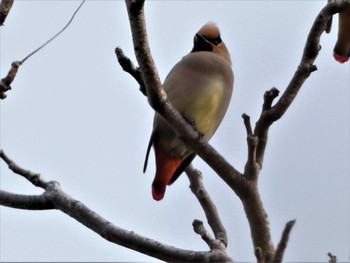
{"points": [[199, 229], [252, 168], [210, 210], [27, 202], [282, 245], [34, 178], [332, 258], [128, 66], [5, 83], [55, 198], [305, 68], [5, 7], [253, 206]]}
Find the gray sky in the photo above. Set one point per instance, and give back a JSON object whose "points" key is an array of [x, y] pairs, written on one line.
{"points": [[74, 116]]}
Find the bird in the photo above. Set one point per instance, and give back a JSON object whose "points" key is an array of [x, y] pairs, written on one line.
{"points": [[199, 86], [341, 52]]}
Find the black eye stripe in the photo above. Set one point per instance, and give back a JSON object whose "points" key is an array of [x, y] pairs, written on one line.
{"points": [[215, 41]]}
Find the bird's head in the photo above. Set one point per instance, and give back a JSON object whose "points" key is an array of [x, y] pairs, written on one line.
{"points": [[208, 39]]}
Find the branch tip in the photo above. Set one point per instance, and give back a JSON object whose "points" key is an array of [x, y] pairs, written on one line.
{"points": [[269, 97], [313, 68], [34, 178], [282, 245], [332, 258], [129, 67], [209, 208], [247, 124], [5, 83]]}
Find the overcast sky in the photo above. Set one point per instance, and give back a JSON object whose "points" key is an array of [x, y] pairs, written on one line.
{"points": [[75, 117]]}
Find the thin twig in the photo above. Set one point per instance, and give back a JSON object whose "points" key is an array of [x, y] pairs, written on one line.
{"points": [[251, 168], [56, 35], [34, 178], [55, 198], [282, 245], [199, 229], [128, 66], [209, 208], [5, 83], [332, 258]]}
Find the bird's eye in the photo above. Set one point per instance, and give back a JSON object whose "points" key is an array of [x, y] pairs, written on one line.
{"points": [[215, 41]]}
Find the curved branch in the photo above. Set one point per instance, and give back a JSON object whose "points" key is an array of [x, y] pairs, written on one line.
{"points": [[332, 258], [282, 245], [312, 47], [211, 213], [55, 198]]}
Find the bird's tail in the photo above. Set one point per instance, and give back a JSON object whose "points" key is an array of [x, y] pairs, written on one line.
{"points": [[166, 168]]}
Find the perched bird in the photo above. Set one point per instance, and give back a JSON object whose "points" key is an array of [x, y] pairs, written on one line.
{"points": [[341, 51], [200, 88]]}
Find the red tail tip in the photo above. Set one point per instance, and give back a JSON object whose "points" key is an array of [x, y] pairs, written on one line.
{"points": [[157, 195], [339, 58]]}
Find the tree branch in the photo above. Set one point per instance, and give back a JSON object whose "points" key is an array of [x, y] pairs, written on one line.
{"points": [[210, 210], [55, 198], [5, 83], [332, 258], [199, 229], [312, 47], [252, 168], [5, 7], [128, 66], [282, 245]]}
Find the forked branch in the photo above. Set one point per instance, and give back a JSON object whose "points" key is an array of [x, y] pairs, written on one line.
{"points": [[55, 198]]}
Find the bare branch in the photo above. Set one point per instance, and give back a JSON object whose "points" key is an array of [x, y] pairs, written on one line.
{"points": [[332, 258], [199, 229], [252, 168], [269, 97], [5, 7], [55, 198], [247, 124], [27, 202], [305, 68], [56, 35], [210, 210], [34, 178], [283, 242], [5, 83], [128, 66]]}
